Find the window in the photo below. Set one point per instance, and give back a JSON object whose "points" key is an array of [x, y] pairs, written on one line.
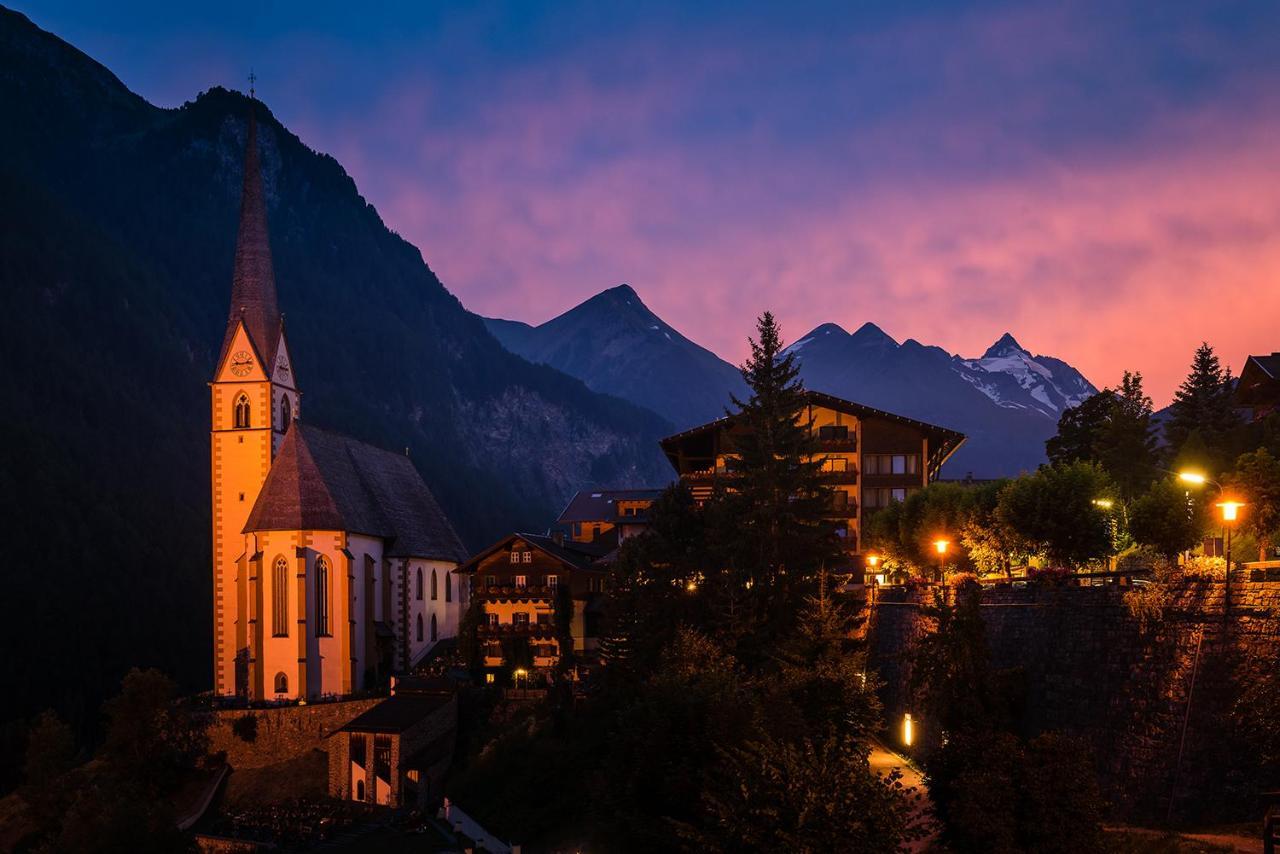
{"points": [[419, 626], [527, 557], [242, 411], [839, 500], [835, 464], [493, 620], [833, 433], [515, 557], [448, 587], [891, 463], [280, 598], [435, 589], [322, 597], [433, 627], [897, 495], [520, 619], [491, 581], [544, 618], [488, 679], [417, 587], [522, 581], [282, 684], [553, 582], [286, 413]]}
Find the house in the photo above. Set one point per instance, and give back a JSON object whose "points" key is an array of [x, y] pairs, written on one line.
{"points": [[396, 753], [607, 515], [871, 458], [324, 547], [536, 593], [1258, 389]]}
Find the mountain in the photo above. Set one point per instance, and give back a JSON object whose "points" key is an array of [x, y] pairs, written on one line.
{"points": [[117, 229], [615, 344], [1007, 402]]}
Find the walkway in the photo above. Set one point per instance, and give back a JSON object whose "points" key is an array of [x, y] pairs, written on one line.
{"points": [[883, 761]]}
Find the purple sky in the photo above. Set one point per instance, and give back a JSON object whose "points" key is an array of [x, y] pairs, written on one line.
{"points": [[1101, 179]]}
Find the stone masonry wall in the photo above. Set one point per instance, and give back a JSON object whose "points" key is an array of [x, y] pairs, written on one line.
{"points": [[1089, 668], [283, 733]]}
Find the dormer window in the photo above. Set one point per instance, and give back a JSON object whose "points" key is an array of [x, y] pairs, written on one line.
{"points": [[241, 419]]}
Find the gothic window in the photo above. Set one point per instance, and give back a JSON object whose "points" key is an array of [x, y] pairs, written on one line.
{"points": [[448, 587], [280, 598], [282, 684], [322, 597], [242, 411], [418, 586], [433, 627], [435, 586], [419, 622], [286, 413]]}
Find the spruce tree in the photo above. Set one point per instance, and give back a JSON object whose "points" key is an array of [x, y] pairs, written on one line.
{"points": [[779, 498], [1202, 404], [1080, 429], [1127, 447]]}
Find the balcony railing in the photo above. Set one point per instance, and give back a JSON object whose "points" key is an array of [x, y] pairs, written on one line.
{"points": [[529, 591], [534, 630]]}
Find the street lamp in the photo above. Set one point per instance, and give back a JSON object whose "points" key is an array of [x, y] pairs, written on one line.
{"points": [[1106, 504], [1230, 513], [941, 546]]}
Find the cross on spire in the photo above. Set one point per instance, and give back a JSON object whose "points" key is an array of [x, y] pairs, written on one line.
{"points": [[253, 78]]}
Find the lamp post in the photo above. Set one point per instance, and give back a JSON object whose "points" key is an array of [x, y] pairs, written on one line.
{"points": [[1107, 504], [941, 546], [1230, 512], [872, 561]]}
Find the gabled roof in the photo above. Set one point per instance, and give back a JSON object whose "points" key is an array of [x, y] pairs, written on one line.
{"points": [[576, 555], [253, 284], [397, 713], [1259, 380], [601, 505], [945, 440], [322, 481]]}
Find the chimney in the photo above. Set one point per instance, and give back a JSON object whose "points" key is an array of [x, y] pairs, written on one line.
{"points": [[557, 537]]}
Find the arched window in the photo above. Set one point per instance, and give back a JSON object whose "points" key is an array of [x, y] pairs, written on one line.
{"points": [[418, 586], [419, 628], [242, 411], [359, 790], [448, 587], [280, 598], [282, 683], [286, 412], [435, 590], [433, 626], [322, 597]]}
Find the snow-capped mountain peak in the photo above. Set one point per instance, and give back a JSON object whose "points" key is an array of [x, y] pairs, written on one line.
{"points": [[1015, 379]]}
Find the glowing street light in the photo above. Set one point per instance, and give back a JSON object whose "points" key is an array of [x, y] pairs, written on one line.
{"points": [[908, 730], [941, 546], [1230, 510], [1230, 513], [1198, 478], [1104, 503]]}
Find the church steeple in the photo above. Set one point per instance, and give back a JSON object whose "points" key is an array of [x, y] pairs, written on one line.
{"points": [[253, 287]]}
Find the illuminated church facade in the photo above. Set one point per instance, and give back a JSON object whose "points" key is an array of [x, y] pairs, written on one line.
{"points": [[333, 564]]}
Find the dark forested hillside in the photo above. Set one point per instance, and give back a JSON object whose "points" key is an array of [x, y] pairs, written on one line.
{"points": [[117, 227]]}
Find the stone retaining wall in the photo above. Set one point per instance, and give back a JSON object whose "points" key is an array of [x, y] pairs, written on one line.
{"points": [[283, 732], [1086, 666]]}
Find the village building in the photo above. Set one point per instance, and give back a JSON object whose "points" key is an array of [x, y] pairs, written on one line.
{"points": [[1258, 389], [396, 753], [871, 458], [537, 593], [333, 565], [607, 515]]}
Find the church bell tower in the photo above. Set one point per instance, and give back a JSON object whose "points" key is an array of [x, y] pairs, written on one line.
{"points": [[253, 400]]}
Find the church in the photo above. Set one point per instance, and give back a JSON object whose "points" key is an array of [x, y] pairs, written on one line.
{"points": [[333, 565]]}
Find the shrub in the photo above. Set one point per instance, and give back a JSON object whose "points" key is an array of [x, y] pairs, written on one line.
{"points": [[1205, 567], [246, 728], [1147, 605]]}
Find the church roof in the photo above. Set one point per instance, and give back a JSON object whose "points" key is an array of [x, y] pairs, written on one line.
{"points": [[253, 284], [322, 481]]}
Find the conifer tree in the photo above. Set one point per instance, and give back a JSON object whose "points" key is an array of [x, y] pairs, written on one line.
{"points": [[1080, 430], [1127, 447], [779, 499], [1202, 405]]}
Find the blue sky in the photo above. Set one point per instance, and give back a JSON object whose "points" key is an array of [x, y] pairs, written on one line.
{"points": [[1098, 178]]}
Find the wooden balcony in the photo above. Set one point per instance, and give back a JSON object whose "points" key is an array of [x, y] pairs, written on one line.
{"points": [[511, 591], [536, 631]]}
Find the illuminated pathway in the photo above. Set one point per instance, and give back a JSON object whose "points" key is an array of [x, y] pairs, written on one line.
{"points": [[883, 761]]}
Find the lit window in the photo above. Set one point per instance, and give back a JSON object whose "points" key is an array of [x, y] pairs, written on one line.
{"points": [[515, 557], [522, 581], [528, 557], [553, 581], [488, 679], [898, 495], [493, 620]]}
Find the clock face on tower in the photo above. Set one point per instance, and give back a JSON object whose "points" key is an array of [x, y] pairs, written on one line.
{"points": [[241, 363]]}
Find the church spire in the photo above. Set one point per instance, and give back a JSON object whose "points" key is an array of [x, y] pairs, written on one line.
{"points": [[253, 286]]}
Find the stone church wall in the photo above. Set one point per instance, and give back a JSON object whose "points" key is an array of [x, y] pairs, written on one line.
{"points": [[1082, 664], [281, 733]]}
